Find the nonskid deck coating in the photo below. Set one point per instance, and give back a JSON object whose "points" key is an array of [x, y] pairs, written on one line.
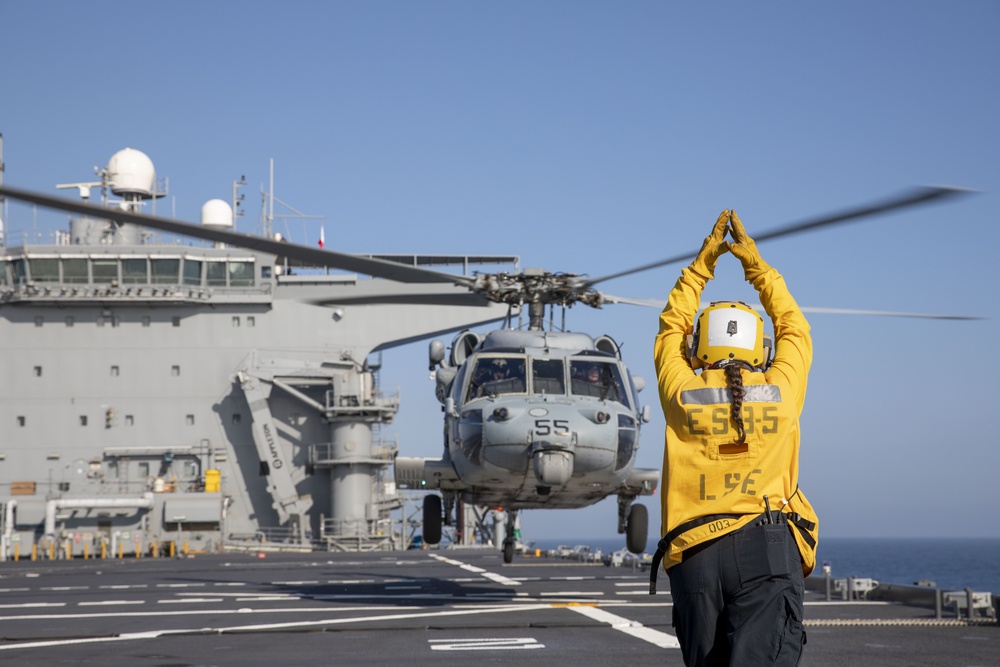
{"points": [[421, 606]]}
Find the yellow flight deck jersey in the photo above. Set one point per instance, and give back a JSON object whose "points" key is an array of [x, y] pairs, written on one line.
{"points": [[712, 484]]}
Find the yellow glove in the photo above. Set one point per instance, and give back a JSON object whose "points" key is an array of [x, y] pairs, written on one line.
{"points": [[714, 245], [746, 251]]}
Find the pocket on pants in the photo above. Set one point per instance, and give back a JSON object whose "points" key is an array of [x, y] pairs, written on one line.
{"points": [[793, 636], [762, 553]]}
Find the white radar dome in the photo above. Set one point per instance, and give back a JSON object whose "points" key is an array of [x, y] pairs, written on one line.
{"points": [[131, 172], [217, 213]]}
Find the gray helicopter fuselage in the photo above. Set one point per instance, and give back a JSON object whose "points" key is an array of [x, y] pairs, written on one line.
{"points": [[537, 432]]}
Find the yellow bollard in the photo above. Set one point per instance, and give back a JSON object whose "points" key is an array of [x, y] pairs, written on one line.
{"points": [[155, 544], [173, 547], [86, 552], [17, 552], [138, 549], [104, 550], [52, 551], [121, 550], [185, 548], [34, 552]]}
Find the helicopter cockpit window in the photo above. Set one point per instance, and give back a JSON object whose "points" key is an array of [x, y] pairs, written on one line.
{"points": [[548, 377], [599, 379], [494, 376]]}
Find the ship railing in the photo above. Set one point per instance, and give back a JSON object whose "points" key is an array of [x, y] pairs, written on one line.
{"points": [[382, 452], [353, 535], [277, 538], [969, 604]]}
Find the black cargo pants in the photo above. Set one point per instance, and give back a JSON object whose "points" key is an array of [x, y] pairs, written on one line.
{"points": [[738, 599]]}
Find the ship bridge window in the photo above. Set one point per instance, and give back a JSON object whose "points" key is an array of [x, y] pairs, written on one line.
{"points": [[192, 272], [215, 274], [3, 273], [74, 271], [165, 271], [600, 379], [548, 376], [44, 270], [241, 274], [134, 272], [20, 272], [105, 270], [494, 376]]}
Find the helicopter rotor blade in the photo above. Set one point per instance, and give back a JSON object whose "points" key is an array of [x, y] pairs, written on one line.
{"points": [[916, 196], [885, 313], [465, 299], [312, 256], [661, 303]]}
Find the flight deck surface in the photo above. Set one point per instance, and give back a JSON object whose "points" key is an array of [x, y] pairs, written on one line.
{"points": [[416, 607]]}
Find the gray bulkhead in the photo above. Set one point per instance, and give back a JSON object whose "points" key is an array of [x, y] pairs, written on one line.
{"points": [[120, 389]]}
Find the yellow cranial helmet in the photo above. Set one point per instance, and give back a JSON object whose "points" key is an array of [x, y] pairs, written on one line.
{"points": [[730, 331]]}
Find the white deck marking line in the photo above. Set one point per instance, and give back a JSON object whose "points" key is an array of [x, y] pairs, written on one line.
{"points": [[499, 578], [633, 628], [153, 634], [246, 595], [25, 605], [110, 602], [205, 612], [485, 644]]}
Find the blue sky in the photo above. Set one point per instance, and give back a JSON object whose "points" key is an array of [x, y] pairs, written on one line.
{"points": [[591, 137]]}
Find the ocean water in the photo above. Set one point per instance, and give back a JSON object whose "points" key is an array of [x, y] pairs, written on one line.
{"points": [[951, 563]]}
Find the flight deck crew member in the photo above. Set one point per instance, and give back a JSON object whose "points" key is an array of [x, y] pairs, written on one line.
{"points": [[739, 535]]}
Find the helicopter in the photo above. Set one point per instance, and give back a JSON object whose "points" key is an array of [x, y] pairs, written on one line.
{"points": [[534, 418]]}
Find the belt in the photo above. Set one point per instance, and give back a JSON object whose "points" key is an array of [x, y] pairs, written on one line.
{"points": [[663, 545]]}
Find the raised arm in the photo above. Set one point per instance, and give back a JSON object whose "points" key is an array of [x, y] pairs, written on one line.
{"points": [[792, 342], [677, 319]]}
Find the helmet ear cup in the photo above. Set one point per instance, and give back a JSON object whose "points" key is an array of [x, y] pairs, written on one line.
{"points": [[691, 341], [768, 352]]}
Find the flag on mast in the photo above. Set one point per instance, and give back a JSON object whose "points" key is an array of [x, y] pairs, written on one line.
{"points": [[322, 238]]}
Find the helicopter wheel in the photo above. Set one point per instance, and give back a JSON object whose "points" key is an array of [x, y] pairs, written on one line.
{"points": [[432, 519], [508, 551], [637, 530]]}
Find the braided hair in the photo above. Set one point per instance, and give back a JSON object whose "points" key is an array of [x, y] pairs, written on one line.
{"points": [[734, 378]]}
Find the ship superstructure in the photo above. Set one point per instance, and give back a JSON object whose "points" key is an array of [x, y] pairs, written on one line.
{"points": [[207, 396]]}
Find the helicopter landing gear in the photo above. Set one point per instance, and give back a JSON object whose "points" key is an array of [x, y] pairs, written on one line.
{"points": [[432, 519], [637, 530], [633, 520], [508, 542]]}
